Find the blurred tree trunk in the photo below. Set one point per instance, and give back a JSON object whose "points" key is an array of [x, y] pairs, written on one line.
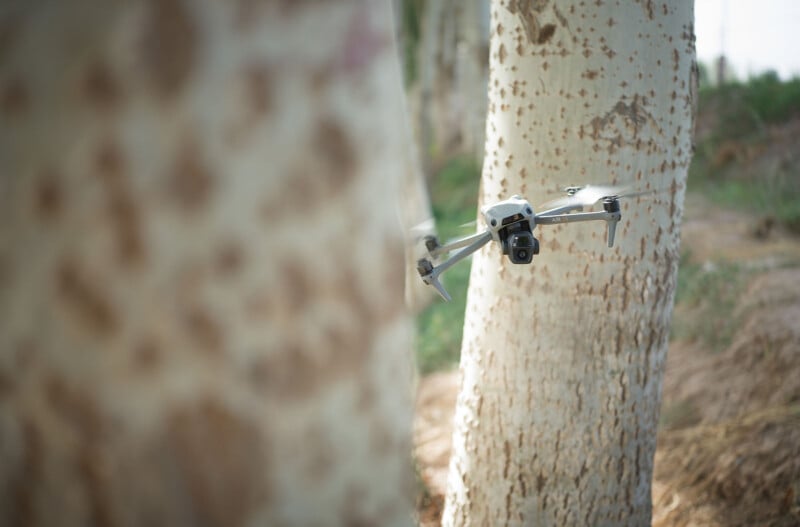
{"points": [[201, 265], [562, 360], [450, 93], [428, 68], [471, 76]]}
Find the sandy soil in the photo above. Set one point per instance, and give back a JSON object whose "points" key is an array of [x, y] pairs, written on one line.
{"points": [[731, 454]]}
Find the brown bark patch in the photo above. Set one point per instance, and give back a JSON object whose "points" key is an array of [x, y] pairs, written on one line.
{"points": [[85, 298], [298, 286], [229, 259], [99, 86], [190, 180], [147, 354], [24, 483], [14, 97], [621, 125], [546, 33], [109, 162], [169, 46], [124, 214], [10, 24], [649, 8], [332, 143], [255, 93], [394, 292], [221, 460], [529, 12], [77, 408], [259, 88], [48, 199], [203, 329], [286, 373], [299, 367]]}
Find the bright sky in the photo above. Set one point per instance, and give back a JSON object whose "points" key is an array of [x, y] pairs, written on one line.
{"points": [[758, 35]]}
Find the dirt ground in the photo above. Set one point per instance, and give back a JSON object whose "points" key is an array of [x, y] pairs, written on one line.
{"points": [[730, 455]]}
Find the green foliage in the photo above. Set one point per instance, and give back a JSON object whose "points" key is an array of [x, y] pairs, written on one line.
{"points": [[775, 196], [705, 301], [454, 193], [745, 108], [439, 327], [765, 182], [703, 75], [410, 18]]}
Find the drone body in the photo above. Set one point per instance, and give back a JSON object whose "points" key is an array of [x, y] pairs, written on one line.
{"points": [[510, 223]]}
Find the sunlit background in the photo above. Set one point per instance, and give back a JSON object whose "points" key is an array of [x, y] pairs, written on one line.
{"points": [[753, 35]]}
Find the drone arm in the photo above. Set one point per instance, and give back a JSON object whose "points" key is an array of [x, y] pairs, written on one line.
{"points": [[611, 218], [430, 274], [437, 250], [476, 242], [564, 209]]}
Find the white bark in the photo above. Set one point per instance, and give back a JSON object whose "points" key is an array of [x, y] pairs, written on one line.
{"points": [[562, 360], [201, 265]]}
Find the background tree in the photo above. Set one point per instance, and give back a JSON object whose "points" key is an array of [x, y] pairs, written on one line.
{"points": [[562, 360], [448, 79], [201, 265]]}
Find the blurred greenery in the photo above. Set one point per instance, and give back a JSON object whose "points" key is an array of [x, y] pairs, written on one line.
{"points": [[454, 197], [733, 165], [705, 301], [410, 16], [744, 108]]}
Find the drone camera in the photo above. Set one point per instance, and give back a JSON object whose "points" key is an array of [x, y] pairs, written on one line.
{"points": [[521, 246], [518, 242]]}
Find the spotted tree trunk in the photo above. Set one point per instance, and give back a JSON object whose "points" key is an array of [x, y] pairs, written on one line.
{"points": [[201, 265], [562, 360]]}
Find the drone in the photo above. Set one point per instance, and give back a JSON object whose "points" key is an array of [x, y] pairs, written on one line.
{"points": [[510, 223]]}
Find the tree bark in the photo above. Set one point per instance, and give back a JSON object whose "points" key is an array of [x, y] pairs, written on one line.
{"points": [[201, 265], [562, 360]]}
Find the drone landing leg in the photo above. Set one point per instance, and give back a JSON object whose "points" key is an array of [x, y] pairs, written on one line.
{"points": [[611, 217]]}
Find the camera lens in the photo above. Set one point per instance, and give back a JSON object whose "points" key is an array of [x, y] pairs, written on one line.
{"points": [[520, 247]]}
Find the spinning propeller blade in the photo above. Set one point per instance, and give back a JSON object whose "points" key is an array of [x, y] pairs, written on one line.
{"points": [[588, 195], [422, 229]]}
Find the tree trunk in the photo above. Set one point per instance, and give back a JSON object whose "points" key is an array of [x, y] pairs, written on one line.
{"points": [[201, 265], [562, 360], [471, 76]]}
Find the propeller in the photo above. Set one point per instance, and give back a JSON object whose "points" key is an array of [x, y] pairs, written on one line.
{"points": [[588, 195], [422, 229]]}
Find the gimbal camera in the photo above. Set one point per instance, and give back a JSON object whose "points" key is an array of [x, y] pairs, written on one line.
{"points": [[510, 223]]}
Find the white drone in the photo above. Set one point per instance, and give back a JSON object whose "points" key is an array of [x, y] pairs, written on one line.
{"points": [[510, 223]]}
